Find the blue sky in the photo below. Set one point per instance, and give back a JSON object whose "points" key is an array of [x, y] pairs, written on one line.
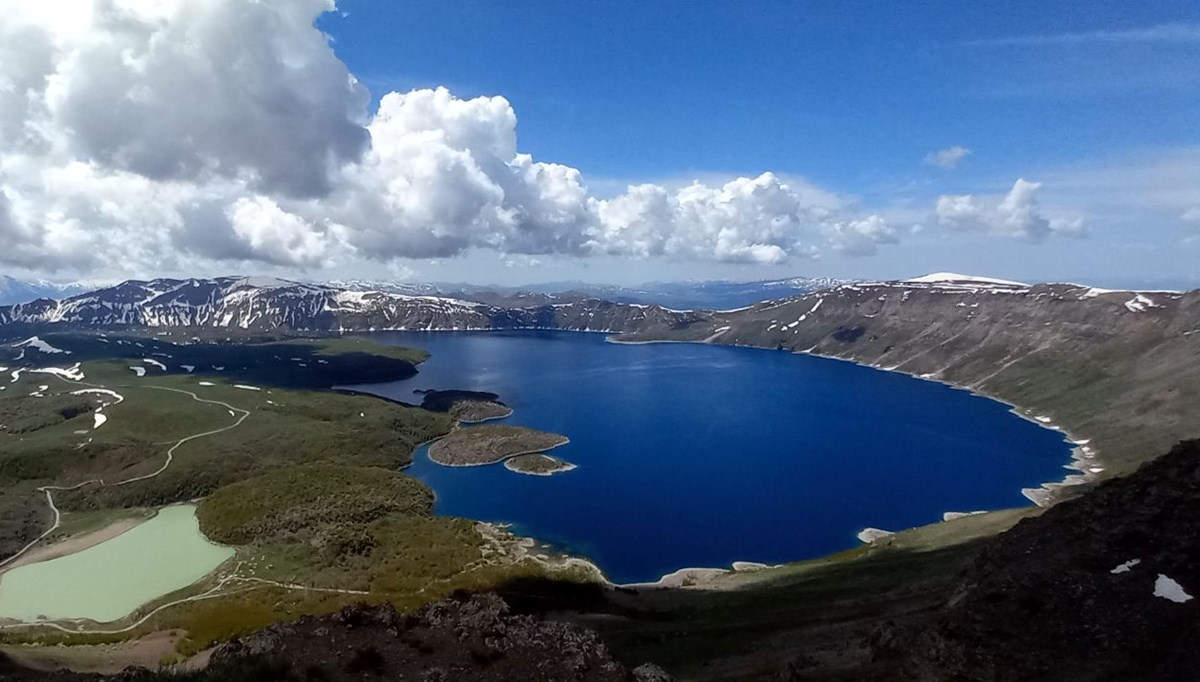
{"points": [[1028, 140], [854, 94], [851, 96]]}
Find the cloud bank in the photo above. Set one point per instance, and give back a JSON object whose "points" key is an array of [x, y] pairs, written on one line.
{"points": [[169, 132], [151, 135]]}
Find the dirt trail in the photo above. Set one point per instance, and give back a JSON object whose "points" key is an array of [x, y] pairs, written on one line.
{"points": [[49, 489]]}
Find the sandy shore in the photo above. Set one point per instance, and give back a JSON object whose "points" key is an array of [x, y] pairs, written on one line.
{"points": [[516, 548], [76, 543]]}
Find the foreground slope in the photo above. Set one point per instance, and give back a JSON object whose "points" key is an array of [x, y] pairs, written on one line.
{"points": [[1075, 592], [1098, 588]]}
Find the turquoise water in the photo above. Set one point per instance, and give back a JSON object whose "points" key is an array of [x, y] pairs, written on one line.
{"points": [[112, 579], [695, 455]]}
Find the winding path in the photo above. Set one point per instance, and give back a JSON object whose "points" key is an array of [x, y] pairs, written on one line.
{"points": [[212, 593], [48, 490], [215, 591]]}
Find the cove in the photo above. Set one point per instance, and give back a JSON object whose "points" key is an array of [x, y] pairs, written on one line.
{"points": [[699, 455], [112, 579]]}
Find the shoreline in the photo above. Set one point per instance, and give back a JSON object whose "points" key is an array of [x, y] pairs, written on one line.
{"points": [[1045, 494], [1083, 457], [487, 419], [73, 544], [563, 467], [521, 547]]}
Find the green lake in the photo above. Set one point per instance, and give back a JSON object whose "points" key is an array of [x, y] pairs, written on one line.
{"points": [[112, 579]]}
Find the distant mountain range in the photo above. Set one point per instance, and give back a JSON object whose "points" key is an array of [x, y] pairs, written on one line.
{"points": [[703, 295], [267, 304], [14, 290]]}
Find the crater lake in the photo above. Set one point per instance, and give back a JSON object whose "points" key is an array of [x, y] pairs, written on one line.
{"points": [[694, 455]]}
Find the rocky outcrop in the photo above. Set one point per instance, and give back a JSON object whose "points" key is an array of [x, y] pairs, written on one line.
{"points": [[476, 639]]}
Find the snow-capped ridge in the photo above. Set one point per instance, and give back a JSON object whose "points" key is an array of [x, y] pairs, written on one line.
{"points": [[956, 278]]}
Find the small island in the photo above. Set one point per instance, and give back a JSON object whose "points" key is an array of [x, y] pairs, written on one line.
{"points": [[537, 465], [466, 406], [491, 443]]}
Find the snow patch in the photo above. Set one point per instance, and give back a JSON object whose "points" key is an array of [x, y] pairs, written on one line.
{"points": [[1169, 589], [140, 371], [247, 388], [954, 277], [117, 397], [1093, 292], [156, 363], [1124, 568], [207, 383], [1139, 303], [38, 344], [71, 373], [98, 418], [188, 368]]}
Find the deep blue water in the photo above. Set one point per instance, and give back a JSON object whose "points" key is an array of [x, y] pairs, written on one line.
{"points": [[693, 455]]}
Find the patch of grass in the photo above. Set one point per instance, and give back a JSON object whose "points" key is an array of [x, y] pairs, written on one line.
{"points": [[682, 629], [299, 501], [78, 523], [28, 413]]}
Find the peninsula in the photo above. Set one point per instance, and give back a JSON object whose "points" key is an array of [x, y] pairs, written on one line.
{"points": [[469, 407], [491, 443]]}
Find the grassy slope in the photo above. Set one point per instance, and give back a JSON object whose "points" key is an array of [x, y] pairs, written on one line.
{"points": [[737, 618], [306, 487], [315, 459]]}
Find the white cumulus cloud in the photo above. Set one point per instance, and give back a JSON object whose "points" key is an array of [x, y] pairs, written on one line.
{"points": [[1017, 214], [141, 134], [862, 237]]}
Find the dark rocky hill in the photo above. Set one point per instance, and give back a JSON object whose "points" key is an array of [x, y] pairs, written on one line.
{"points": [[472, 639]]}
